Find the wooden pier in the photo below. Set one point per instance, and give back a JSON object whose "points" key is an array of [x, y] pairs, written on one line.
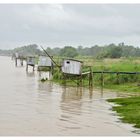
{"points": [[114, 72]]}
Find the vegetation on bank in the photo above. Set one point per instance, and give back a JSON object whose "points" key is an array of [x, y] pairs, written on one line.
{"points": [[124, 82], [110, 57], [128, 109]]}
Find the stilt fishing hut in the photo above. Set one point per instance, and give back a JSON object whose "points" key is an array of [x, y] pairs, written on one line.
{"points": [[17, 57], [45, 65], [71, 66], [45, 62], [72, 70], [30, 62]]}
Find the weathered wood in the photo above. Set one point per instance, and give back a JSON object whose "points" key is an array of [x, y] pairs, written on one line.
{"points": [[112, 72], [102, 79], [117, 78], [71, 66], [85, 73], [30, 62], [50, 57], [16, 61], [90, 78]]}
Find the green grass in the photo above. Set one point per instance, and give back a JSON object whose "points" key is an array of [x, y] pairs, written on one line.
{"points": [[128, 109], [127, 83], [127, 87]]}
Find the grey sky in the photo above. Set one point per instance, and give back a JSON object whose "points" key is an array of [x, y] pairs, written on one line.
{"points": [[69, 24]]}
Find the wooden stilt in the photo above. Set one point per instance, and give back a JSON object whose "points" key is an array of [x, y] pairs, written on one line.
{"points": [[81, 80], [21, 62], [90, 78], [16, 62], [33, 68], [27, 67], [117, 78], [102, 79]]}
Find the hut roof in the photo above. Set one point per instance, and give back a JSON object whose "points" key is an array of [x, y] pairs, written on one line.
{"points": [[72, 59]]}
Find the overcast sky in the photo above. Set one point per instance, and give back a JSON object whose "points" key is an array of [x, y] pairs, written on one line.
{"points": [[57, 25]]}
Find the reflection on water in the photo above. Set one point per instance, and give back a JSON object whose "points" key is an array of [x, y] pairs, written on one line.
{"points": [[70, 94], [45, 75], [45, 86], [29, 107], [30, 74]]}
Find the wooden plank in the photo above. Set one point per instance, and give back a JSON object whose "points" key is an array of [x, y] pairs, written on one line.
{"points": [[112, 72], [85, 73]]}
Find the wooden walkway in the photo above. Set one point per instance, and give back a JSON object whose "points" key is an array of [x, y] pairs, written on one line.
{"points": [[112, 72]]}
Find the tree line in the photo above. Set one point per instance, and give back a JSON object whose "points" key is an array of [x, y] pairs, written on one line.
{"points": [[96, 51]]}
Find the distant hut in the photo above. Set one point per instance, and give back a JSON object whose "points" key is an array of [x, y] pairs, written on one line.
{"points": [[45, 64], [30, 62], [45, 61], [17, 57]]}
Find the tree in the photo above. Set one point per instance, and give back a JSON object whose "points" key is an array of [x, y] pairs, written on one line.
{"points": [[115, 52], [68, 51]]}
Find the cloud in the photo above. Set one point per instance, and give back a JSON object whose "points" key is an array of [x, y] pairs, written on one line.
{"points": [[75, 24]]}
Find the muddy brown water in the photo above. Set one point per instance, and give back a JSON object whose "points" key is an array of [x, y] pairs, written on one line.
{"points": [[31, 108]]}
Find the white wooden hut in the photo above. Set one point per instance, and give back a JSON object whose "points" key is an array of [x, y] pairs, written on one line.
{"points": [[71, 66], [16, 55], [31, 60], [45, 61]]}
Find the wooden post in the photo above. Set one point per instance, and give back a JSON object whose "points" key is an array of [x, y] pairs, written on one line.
{"points": [[81, 80], [64, 79], [27, 67], [33, 67], [102, 79], [21, 62], [78, 81], [90, 78], [117, 78], [51, 69], [16, 62], [90, 92]]}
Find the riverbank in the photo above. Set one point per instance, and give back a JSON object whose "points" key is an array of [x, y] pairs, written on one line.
{"points": [[128, 109], [122, 82], [133, 88]]}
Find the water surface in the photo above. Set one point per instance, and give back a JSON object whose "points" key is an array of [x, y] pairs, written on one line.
{"points": [[31, 108]]}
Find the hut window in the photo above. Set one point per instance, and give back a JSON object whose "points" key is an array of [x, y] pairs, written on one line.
{"points": [[68, 62]]}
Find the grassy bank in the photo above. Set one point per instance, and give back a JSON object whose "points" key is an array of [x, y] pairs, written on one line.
{"points": [[124, 83], [128, 109], [127, 87]]}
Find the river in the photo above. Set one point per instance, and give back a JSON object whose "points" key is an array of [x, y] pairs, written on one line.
{"points": [[29, 107]]}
